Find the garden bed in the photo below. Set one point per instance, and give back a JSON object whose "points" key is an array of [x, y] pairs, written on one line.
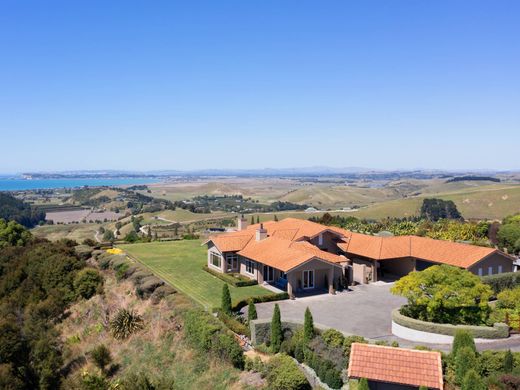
{"points": [[497, 331]]}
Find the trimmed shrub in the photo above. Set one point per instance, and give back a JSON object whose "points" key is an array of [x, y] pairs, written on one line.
{"points": [[88, 282], [501, 282], [139, 275], [284, 374], [276, 330], [147, 286], [498, 330], [161, 292], [509, 299], [234, 279], [227, 348], [226, 300], [125, 323], [260, 299], [508, 361]]}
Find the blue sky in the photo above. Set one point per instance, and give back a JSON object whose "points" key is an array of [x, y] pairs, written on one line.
{"points": [[253, 84]]}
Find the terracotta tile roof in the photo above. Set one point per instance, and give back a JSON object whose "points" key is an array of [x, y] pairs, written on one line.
{"points": [[437, 251], [396, 365], [302, 228], [285, 254], [232, 242]]}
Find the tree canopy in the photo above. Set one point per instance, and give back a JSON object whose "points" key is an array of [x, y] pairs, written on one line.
{"points": [[445, 294], [12, 209], [436, 209]]}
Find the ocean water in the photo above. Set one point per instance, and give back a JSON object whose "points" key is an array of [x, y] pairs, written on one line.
{"points": [[17, 184]]}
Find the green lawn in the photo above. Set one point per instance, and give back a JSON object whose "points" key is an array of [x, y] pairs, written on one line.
{"points": [[180, 263]]}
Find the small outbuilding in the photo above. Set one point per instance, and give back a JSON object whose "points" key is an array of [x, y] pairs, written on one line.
{"points": [[389, 368]]}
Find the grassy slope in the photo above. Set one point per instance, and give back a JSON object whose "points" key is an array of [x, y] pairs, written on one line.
{"points": [[180, 263], [159, 350], [76, 232]]}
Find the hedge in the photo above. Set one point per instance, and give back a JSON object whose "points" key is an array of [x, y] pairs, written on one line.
{"points": [[233, 324], [498, 331], [261, 329], [260, 299], [501, 282], [236, 281]]}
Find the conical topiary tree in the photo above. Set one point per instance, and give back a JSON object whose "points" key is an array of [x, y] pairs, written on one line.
{"points": [[508, 361], [473, 381], [226, 299], [276, 330], [308, 326], [251, 312], [462, 339], [252, 219], [464, 361]]}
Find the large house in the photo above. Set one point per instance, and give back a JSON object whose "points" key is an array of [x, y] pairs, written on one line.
{"points": [[301, 256], [388, 368]]}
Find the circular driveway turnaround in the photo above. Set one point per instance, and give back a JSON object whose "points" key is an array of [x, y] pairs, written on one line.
{"points": [[366, 310]]}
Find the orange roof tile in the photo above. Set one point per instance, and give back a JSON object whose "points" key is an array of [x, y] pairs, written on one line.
{"points": [[396, 365], [232, 242], [302, 228]]}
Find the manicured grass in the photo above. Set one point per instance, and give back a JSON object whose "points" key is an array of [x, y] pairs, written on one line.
{"points": [[180, 264]]}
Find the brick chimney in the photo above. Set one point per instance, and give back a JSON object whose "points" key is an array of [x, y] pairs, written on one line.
{"points": [[242, 223], [261, 233]]}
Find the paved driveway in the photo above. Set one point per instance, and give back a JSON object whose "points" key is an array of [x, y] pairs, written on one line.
{"points": [[364, 311]]}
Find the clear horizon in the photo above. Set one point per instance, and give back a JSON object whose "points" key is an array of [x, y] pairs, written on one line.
{"points": [[249, 85]]}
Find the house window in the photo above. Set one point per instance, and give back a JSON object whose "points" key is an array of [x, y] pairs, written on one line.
{"points": [[232, 262], [250, 267], [499, 269], [308, 279], [216, 260], [490, 271], [480, 271], [268, 273], [320, 239]]}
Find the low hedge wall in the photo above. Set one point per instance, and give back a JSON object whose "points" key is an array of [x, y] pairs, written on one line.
{"points": [[261, 329], [235, 281], [233, 324], [260, 299], [501, 282], [498, 331]]}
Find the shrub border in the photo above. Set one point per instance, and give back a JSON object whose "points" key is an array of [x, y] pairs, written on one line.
{"points": [[498, 331], [260, 299], [235, 282]]}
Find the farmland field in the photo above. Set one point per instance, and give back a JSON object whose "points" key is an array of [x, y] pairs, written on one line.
{"points": [[180, 264], [77, 232]]}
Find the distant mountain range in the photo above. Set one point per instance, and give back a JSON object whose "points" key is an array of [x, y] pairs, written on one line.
{"points": [[305, 171]]}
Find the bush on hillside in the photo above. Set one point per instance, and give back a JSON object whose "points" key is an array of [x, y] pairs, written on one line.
{"points": [[284, 374], [88, 282], [147, 286], [101, 357], [333, 338], [501, 282], [161, 292]]}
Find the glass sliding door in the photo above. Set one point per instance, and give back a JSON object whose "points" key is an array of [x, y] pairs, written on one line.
{"points": [[268, 274]]}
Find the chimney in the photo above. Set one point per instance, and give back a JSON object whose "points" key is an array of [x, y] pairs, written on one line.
{"points": [[242, 223], [261, 233]]}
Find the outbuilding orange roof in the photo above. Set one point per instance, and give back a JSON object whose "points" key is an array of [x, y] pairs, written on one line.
{"points": [[396, 365]]}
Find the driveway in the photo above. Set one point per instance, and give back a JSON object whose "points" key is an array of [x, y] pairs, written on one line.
{"points": [[365, 310]]}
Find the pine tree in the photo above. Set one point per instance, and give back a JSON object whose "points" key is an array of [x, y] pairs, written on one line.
{"points": [[462, 339], [275, 218], [252, 219], [308, 326], [226, 299], [257, 219], [150, 232], [465, 360], [251, 312], [276, 330], [473, 381], [508, 361], [363, 384]]}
